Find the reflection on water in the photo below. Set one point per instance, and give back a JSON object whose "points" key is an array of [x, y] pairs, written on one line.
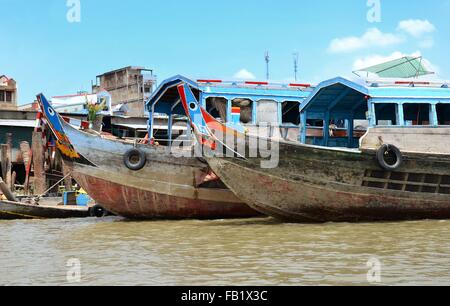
{"points": [[232, 252]]}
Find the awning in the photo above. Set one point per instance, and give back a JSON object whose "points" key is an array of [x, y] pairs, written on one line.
{"points": [[405, 67], [18, 123], [337, 95], [166, 99]]}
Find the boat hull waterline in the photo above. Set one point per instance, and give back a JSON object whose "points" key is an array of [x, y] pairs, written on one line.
{"points": [[167, 187], [16, 211], [320, 185]]}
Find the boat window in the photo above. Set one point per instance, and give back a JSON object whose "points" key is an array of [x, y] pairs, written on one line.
{"points": [[386, 113], [268, 112], [291, 112], [246, 106], [443, 113], [416, 114], [217, 107], [314, 123]]}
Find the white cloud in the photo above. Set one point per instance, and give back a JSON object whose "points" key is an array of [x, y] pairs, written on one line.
{"points": [[244, 74], [416, 27], [376, 59], [372, 38]]}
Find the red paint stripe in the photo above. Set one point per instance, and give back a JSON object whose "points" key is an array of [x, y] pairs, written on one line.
{"points": [[411, 83], [183, 99], [299, 85], [209, 81], [256, 83]]}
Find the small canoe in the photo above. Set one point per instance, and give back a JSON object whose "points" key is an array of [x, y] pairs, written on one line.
{"points": [[17, 210]]}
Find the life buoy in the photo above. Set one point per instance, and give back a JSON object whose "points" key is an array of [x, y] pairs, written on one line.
{"points": [[389, 157], [135, 159]]}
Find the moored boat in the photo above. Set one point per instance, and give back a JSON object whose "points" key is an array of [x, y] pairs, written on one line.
{"points": [[20, 210], [165, 178], [398, 170]]}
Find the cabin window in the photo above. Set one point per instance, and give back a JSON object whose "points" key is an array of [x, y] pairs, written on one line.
{"points": [[386, 113], [246, 106], [291, 112], [443, 113], [416, 114], [268, 112], [217, 107]]}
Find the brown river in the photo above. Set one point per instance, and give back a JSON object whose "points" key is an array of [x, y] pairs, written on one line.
{"points": [[256, 252]]}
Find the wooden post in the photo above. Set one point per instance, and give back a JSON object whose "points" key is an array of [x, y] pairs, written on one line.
{"points": [[6, 164], [66, 170], [27, 161], [13, 181], [37, 147]]}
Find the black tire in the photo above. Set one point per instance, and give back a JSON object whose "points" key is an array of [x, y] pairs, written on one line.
{"points": [[389, 157], [98, 211], [135, 159]]}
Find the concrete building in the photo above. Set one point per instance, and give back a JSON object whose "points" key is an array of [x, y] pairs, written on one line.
{"points": [[129, 88], [8, 93]]}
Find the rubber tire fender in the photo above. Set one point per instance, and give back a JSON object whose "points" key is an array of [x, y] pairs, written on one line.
{"points": [[98, 211], [142, 159], [381, 154]]}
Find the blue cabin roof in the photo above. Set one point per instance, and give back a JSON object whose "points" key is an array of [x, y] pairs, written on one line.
{"points": [[166, 96], [343, 95]]}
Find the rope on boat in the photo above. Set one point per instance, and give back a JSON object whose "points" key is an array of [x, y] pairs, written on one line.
{"points": [[36, 199]]}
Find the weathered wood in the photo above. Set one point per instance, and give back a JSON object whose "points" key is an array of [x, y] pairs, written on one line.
{"points": [[13, 181], [11, 210], [25, 149], [6, 191], [66, 170], [168, 187], [37, 148], [6, 164], [313, 184], [9, 178]]}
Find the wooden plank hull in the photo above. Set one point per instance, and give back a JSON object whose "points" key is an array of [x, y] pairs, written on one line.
{"points": [[314, 184], [145, 203], [168, 187], [17, 211]]}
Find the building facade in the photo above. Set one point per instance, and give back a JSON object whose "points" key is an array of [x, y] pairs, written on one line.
{"points": [[129, 88], [8, 93]]}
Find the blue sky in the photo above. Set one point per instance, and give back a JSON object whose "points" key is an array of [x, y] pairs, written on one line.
{"points": [[216, 38]]}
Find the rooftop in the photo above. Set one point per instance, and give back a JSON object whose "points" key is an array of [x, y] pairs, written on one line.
{"points": [[126, 68]]}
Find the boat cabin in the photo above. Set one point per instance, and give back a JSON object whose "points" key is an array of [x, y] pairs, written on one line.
{"points": [[243, 106], [340, 112]]}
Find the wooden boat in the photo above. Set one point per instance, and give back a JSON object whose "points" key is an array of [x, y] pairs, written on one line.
{"points": [[396, 171], [158, 185], [19, 210]]}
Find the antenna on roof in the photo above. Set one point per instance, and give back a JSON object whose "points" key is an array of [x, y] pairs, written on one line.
{"points": [[267, 58], [296, 59]]}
